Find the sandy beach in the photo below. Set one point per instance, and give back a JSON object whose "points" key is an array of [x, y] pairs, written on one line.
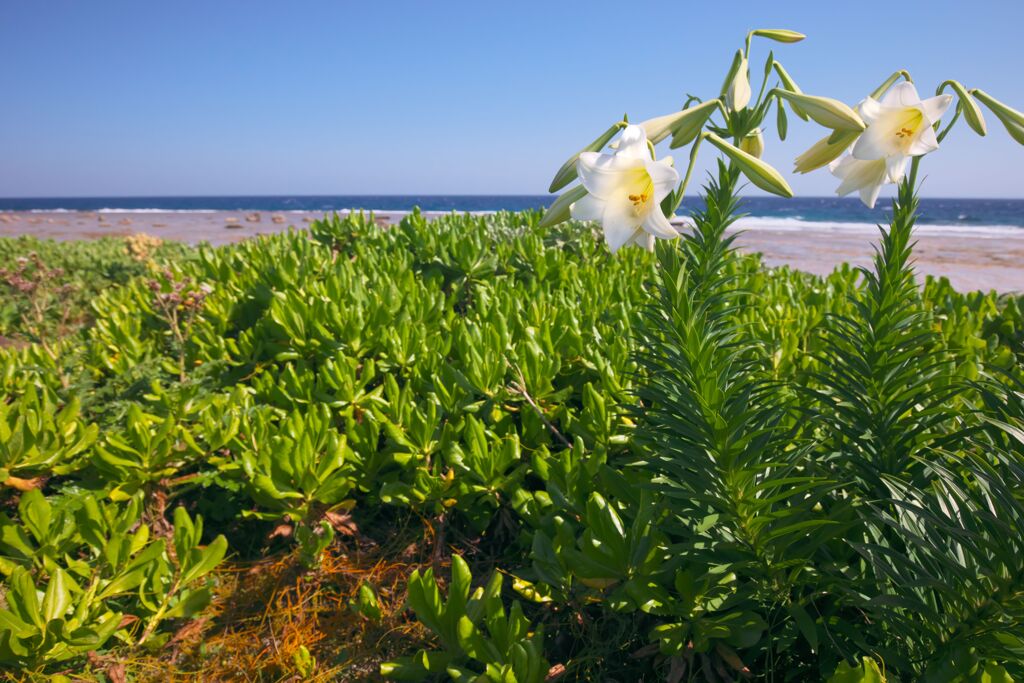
{"points": [[980, 260]]}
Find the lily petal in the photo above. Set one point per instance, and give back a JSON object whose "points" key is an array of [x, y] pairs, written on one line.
{"points": [[633, 143], [588, 208], [657, 224], [869, 109], [664, 177], [935, 107], [861, 175], [896, 167], [642, 239], [903, 94], [879, 139], [602, 174], [869, 195], [620, 222], [926, 142]]}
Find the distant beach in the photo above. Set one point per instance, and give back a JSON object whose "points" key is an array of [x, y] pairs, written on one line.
{"points": [[972, 257]]}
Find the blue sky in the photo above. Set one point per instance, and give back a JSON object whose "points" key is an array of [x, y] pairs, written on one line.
{"points": [[335, 97]]}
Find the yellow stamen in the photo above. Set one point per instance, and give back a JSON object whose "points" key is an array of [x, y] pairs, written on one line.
{"points": [[641, 199], [909, 127]]}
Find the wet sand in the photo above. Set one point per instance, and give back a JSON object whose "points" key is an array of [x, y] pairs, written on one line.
{"points": [[985, 261], [979, 260]]}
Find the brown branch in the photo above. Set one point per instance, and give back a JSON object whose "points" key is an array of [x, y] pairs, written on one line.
{"points": [[520, 388]]}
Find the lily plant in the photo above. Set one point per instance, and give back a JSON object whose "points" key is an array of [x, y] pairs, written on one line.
{"points": [[900, 127], [634, 195], [625, 190], [713, 433]]}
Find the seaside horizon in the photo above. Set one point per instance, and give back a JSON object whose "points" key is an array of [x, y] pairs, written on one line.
{"points": [[964, 213]]}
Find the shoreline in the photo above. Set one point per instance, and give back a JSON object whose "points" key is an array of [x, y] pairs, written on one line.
{"points": [[989, 257]]}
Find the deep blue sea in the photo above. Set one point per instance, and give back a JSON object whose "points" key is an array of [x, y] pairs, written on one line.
{"points": [[777, 212]]}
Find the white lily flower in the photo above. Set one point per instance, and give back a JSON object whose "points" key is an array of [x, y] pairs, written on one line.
{"points": [[625, 190], [899, 127]]}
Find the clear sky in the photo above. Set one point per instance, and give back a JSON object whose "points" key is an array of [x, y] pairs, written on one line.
{"points": [[114, 98]]}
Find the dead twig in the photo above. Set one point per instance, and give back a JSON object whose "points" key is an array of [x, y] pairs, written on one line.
{"points": [[520, 389]]}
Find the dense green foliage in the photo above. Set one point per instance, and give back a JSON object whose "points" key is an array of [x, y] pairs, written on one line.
{"points": [[682, 465], [46, 286]]}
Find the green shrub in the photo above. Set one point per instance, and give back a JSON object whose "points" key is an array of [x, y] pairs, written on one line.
{"points": [[717, 466]]}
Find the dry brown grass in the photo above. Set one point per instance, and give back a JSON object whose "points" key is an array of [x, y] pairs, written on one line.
{"points": [[265, 611]]}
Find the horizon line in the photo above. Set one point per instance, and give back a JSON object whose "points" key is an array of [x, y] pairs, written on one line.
{"points": [[425, 195]]}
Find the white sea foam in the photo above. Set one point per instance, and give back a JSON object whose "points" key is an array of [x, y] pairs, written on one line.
{"points": [[111, 210], [105, 210], [799, 225]]}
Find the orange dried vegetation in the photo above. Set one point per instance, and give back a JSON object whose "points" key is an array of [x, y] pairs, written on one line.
{"points": [[264, 612]]}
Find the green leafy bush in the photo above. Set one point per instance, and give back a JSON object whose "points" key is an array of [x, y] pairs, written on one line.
{"points": [[74, 570], [685, 456], [475, 632]]}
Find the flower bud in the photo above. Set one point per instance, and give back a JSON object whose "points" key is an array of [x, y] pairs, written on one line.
{"points": [[560, 210], [789, 84], [780, 35], [753, 143], [781, 122], [825, 110], [567, 173], [969, 108], [758, 172], [683, 125], [1011, 119], [737, 92], [825, 151]]}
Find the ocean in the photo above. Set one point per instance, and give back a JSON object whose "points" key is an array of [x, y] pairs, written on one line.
{"points": [[777, 213]]}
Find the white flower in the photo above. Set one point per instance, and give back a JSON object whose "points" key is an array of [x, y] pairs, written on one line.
{"points": [[867, 177], [625, 190], [898, 127]]}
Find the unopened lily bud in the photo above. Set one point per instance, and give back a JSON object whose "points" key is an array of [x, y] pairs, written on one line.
{"points": [[753, 143], [789, 84], [781, 122], [969, 108], [825, 110], [780, 35], [757, 171], [825, 151], [737, 93], [1011, 119], [733, 68], [683, 125], [560, 210], [567, 173]]}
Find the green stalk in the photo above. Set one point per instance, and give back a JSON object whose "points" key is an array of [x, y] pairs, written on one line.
{"points": [[676, 199]]}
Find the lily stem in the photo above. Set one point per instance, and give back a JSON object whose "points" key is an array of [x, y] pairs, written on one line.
{"points": [[912, 178], [945, 131], [689, 172]]}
